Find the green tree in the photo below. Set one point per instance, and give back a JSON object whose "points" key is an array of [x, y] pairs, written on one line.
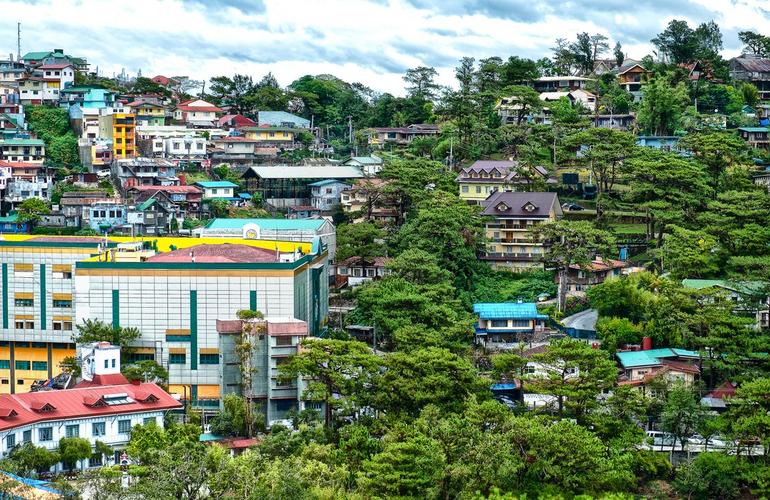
{"points": [[235, 419], [717, 150], [411, 468], [572, 243], [73, 449], [690, 254], [146, 370], [94, 330], [617, 332], [575, 373], [219, 208], [364, 240], [527, 99], [621, 297], [146, 441], [662, 105], [27, 458], [32, 210], [681, 415], [709, 475], [750, 412], [420, 82]]}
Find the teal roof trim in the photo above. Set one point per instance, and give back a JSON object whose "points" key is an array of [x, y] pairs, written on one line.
{"points": [[508, 310], [753, 129], [216, 184], [632, 359], [325, 182]]}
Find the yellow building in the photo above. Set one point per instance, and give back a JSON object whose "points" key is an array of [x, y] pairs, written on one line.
{"points": [[513, 216], [148, 113], [124, 135], [267, 135], [485, 177]]}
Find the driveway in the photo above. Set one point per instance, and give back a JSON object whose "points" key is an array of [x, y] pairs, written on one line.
{"points": [[584, 320]]}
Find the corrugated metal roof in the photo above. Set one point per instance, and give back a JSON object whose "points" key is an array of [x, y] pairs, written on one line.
{"points": [[508, 310], [652, 357], [216, 184], [325, 182], [302, 172], [269, 224], [281, 117]]}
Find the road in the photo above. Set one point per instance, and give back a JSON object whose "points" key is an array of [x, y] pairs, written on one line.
{"points": [[584, 320]]}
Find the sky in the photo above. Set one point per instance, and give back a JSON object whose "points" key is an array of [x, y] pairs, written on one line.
{"points": [[369, 41]]}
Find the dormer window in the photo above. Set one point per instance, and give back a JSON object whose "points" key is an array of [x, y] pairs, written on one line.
{"points": [[502, 207], [41, 406], [529, 207], [7, 413]]}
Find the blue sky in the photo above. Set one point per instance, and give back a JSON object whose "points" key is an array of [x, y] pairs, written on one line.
{"points": [[369, 41]]}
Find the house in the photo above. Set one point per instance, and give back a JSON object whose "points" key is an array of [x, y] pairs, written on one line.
{"points": [[751, 298], [511, 244], [22, 150], [235, 122], [188, 150], [355, 271], [238, 150], [28, 180], [674, 364], [152, 217], [59, 75], [184, 198], [623, 122], [104, 217], [286, 185], [302, 212], [217, 189], [56, 56], [368, 200], [104, 407], [579, 96], [369, 165], [753, 69], [756, 136], [118, 125], [560, 83], [75, 206], [271, 341], [294, 230], [325, 194], [197, 113], [148, 112], [662, 142], [144, 172], [281, 119], [270, 140], [578, 278], [87, 97], [9, 224], [500, 325], [400, 136], [485, 177], [631, 77], [37, 90], [763, 179]]}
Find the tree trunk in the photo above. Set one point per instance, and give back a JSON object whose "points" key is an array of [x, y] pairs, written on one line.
{"points": [[561, 299]]}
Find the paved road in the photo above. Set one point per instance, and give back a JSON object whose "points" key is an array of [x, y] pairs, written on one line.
{"points": [[585, 320]]}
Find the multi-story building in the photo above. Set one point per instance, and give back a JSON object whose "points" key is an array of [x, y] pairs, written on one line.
{"points": [[631, 77], [753, 69], [401, 136], [172, 289], [561, 83], [38, 90], [272, 139], [148, 113], [197, 113], [187, 150], [368, 201], [119, 126], [75, 206], [58, 75], [22, 150], [105, 216], [271, 341], [104, 407], [10, 71], [510, 242], [284, 186], [325, 194], [28, 180], [578, 279], [217, 189], [756, 137], [144, 172], [186, 199], [485, 177], [507, 323]]}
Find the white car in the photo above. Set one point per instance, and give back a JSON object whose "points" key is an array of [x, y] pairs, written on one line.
{"points": [[661, 438]]}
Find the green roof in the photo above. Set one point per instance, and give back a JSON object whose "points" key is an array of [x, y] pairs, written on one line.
{"points": [[736, 286], [36, 55], [651, 357], [753, 129], [268, 224], [22, 142], [216, 184], [11, 218], [147, 204]]}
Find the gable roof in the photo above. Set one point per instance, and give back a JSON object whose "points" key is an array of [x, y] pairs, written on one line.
{"points": [[280, 117], [303, 172], [515, 203], [326, 182], [216, 184], [508, 310], [653, 357]]}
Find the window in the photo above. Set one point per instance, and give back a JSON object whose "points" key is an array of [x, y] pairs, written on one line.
{"points": [[22, 365], [148, 420], [209, 359], [67, 304], [95, 460], [72, 431], [5, 364], [214, 191], [45, 434], [29, 325], [27, 436], [177, 359], [20, 381], [62, 275], [284, 341], [10, 441], [97, 429], [40, 366], [124, 426], [370, 272], [62, 325], [24, 302], [520, 323], [465, 189], [499, 323], [106, 363]]}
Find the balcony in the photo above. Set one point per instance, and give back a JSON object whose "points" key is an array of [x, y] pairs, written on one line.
{"points": [[512, 257]]}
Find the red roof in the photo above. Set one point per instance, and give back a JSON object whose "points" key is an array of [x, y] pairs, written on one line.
{"points": [[601, 265], [286, 327], [170, 189], [73, 403], [225, 253], [161, 80], [56, 66], [237, 120], [19, 164], [208, 109], [114, 379], [726, 390]]}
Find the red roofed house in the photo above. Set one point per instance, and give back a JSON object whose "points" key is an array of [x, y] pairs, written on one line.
{"points": [[581, 278], [228, 122], [197, 113], [104, 407]]}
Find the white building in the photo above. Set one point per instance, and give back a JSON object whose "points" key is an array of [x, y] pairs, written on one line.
{"points": [[197, 113], [103, 407]]}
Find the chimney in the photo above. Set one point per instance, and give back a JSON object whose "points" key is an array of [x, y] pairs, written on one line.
{"points": [[646, 343]]}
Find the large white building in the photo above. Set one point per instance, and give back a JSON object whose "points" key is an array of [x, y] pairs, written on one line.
{"points": [[103, 407]]}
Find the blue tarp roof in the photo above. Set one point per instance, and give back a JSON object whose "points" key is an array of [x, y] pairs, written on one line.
{"points": [[508, 310], [244, 196]]}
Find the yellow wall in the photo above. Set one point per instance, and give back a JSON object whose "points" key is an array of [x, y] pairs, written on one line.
{"points": [[126, 135], [486, 190], [265, 135]]}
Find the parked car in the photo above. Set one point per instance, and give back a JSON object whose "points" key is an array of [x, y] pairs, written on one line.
{"points": [[661, 438], [714, 441], [572, 207]]}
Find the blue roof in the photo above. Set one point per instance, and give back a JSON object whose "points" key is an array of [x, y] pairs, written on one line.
{"points": [[216, 184], [280, 117], [503, 387], [508, 310], [244, 196], [270, 224], [325, 182], [652, 357]]}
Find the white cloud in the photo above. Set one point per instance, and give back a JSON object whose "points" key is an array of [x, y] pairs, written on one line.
{"points": [[372, 42]]}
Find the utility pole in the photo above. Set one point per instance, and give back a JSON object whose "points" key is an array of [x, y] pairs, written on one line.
{"points": [[18, 42], [350, 128]]}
